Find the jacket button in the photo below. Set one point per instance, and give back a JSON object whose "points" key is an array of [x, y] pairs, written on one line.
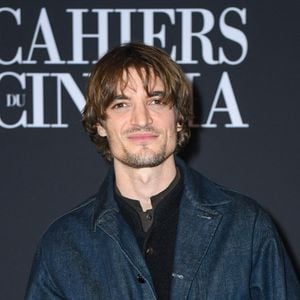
{"points": [[149, 217], [140, 279], [150, 251]]}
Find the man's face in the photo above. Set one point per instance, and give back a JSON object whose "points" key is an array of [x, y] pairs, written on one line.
{"points": [[141, 130]]}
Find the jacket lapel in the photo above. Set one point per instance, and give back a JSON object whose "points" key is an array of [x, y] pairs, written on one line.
{"points": [[196, 230], [108, 218], [113, 224], [197, 225]]}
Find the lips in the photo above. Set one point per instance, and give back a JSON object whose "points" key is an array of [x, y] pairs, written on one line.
{"points": [[142, 137]]}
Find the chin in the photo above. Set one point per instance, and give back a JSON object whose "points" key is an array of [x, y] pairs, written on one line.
{"points": [[148, 160]]}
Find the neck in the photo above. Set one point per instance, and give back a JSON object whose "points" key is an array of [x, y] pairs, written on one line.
{"points": [[143, 183]]}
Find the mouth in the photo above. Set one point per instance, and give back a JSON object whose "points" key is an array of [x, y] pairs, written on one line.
{"points": [[142, 137]]}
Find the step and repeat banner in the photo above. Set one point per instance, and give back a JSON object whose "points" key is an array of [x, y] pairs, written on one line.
{"points": [[241, 57]]}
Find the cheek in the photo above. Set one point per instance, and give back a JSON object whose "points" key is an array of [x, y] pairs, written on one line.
{"points": [[114, 136], [173, 131]]}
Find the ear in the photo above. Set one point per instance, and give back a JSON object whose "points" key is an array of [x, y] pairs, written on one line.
{"points": [[178, 127], [101, 130]]}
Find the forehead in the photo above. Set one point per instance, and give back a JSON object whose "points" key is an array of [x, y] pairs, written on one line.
{"points": [[132, 78]]}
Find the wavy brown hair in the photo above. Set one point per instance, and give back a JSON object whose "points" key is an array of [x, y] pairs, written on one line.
{"points": [[108, 73]]}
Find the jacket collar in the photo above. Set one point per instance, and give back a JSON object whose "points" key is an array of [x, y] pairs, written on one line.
{"points": [[199, 218], [202, 193], [105, 202]]}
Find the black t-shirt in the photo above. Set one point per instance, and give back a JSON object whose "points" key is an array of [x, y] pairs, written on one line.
{"points": [[155, 231]]}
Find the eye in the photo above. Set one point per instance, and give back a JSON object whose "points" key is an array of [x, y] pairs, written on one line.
{"points": [[119, 105], [157, 98], [156, 101]]}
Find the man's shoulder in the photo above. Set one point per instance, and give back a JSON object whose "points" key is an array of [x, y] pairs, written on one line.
{"points": [[78, 219], [236, 208], [206, 193], [210, 193], [239, 199]]}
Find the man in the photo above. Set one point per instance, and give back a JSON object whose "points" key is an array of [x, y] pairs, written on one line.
{"points": [[157, 229]]}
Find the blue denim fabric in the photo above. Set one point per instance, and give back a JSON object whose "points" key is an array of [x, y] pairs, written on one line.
{"points": [[226, 248]]}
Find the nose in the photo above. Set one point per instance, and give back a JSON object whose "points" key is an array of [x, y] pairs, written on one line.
{"points": [[140, 115]]}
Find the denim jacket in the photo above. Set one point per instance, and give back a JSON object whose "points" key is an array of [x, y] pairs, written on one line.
{"points": [[226, 248]]}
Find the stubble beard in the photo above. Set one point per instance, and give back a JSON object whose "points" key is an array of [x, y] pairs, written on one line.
{"points": [[146, 159]]}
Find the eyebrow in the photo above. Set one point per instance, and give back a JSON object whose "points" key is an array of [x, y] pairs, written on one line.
{"points": [[151, 94], [120, 97], [156, 93]]}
